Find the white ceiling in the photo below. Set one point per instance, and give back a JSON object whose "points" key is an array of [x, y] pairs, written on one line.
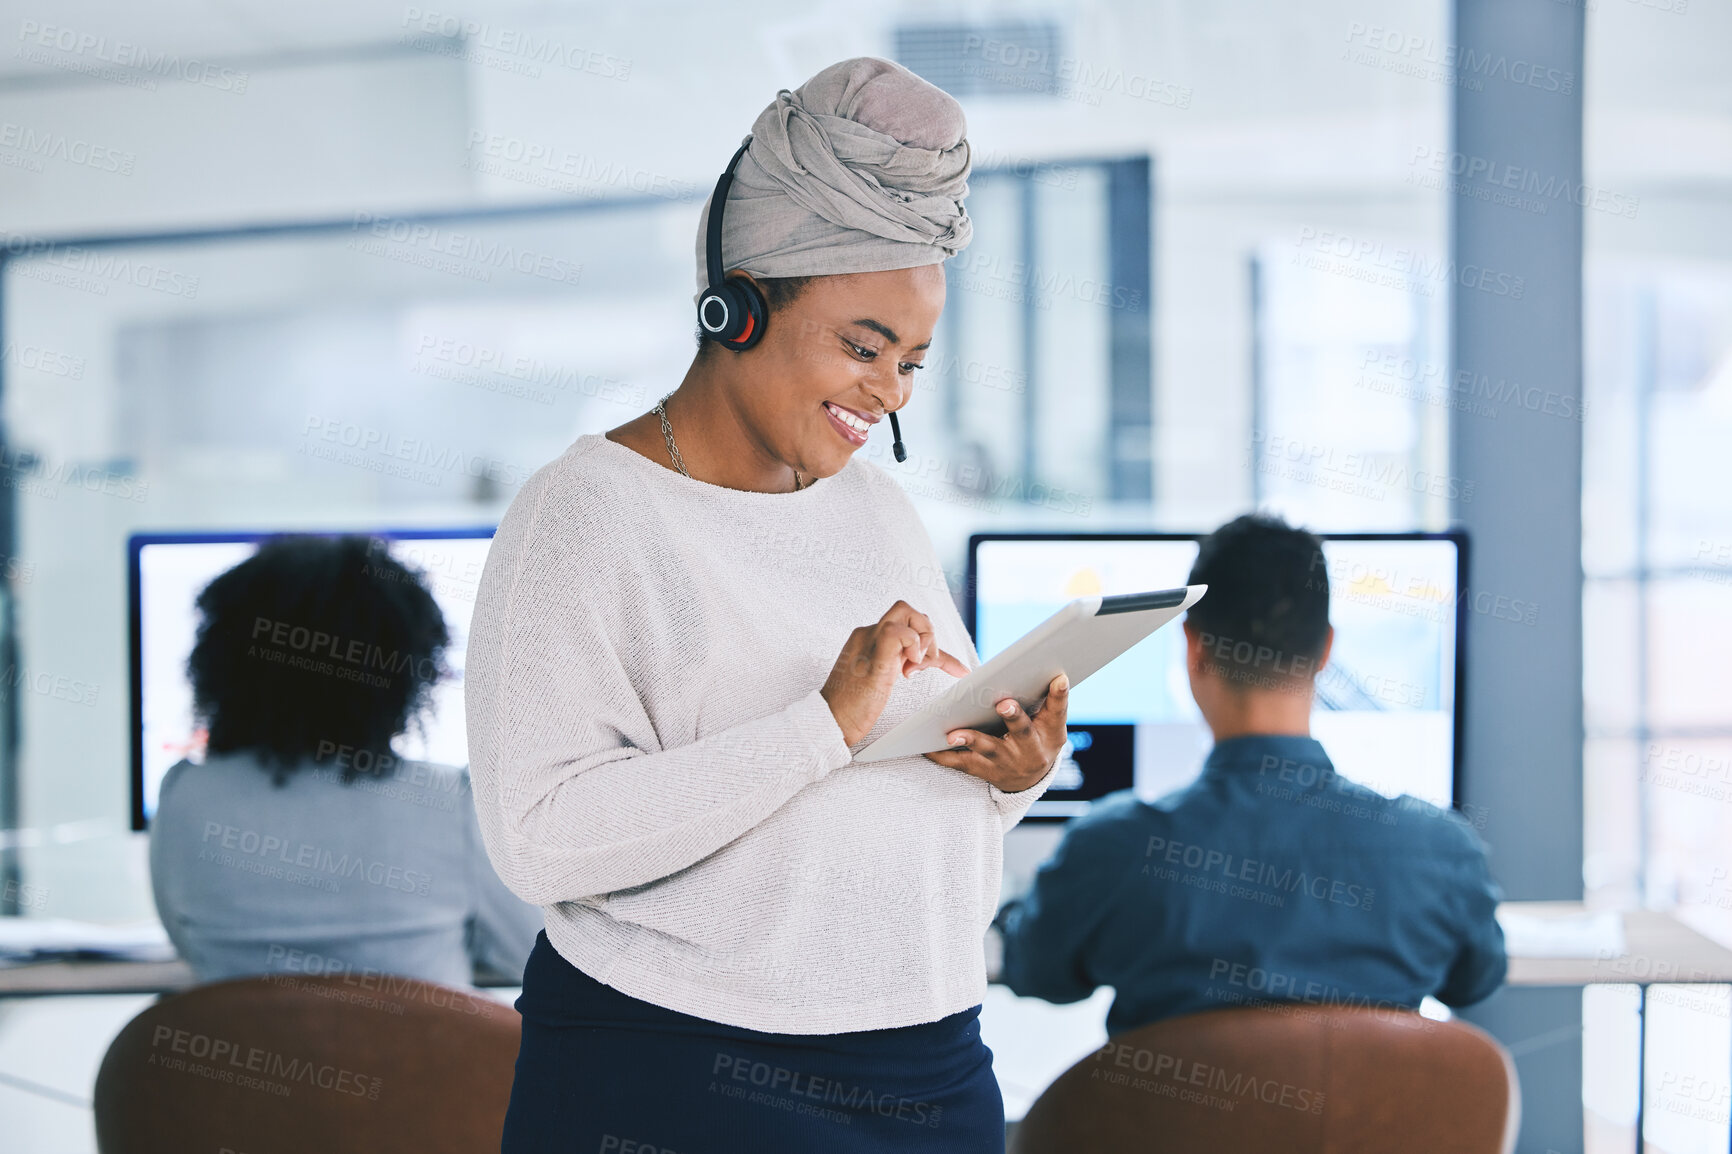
{"points": [[221, 31], [1639, 55]]}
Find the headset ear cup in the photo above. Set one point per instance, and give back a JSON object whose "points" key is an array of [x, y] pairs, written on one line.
{"points": [[748, 303], [714, 313], [734, 313]]}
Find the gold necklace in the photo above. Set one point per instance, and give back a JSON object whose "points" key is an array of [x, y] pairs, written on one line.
{"points": [[674, 450]]}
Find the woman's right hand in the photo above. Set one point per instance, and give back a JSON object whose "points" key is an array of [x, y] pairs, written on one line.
{"points": [[871, 661]]}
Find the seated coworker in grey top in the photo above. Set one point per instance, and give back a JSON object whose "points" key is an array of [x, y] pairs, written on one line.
{"points": [[302, 844]]}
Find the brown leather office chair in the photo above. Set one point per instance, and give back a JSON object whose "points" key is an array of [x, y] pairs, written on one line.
{"points": [[288, 1064], [1301, 1079]]}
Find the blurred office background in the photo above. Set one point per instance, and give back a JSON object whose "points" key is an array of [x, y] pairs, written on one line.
{"points": [[370, 264]]}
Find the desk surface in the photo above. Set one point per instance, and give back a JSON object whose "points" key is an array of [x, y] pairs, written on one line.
{"points": [[1659, 949], [94, 977], [65, 978]]}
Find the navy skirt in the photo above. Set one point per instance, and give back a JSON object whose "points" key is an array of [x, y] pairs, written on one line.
{"points": [[601, 1071]]}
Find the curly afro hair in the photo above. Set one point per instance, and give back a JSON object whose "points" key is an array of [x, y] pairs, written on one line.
{"points": [[312, 644]]}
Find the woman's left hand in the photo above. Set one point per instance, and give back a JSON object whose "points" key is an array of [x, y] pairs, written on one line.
{"points": [[1026, 751]]}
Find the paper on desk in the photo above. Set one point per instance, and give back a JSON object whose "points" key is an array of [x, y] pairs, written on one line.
{"points": [[26, 938], [1575, 935]]}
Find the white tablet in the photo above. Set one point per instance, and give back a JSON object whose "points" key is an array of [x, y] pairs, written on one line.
{"points": [[1077, 640]]}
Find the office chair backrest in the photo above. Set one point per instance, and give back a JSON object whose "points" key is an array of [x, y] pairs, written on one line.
{"points": [[296, 1063], [1300, 1079]]}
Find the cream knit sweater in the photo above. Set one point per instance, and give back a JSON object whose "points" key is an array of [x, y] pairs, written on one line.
{"points": [[654, 765]]}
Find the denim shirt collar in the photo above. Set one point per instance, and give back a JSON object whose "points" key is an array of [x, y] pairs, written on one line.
{"points": [[1265, 753]]}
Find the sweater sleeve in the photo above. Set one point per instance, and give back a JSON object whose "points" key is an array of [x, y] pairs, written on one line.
{"points": [[503, 927], [575, 795], [1013, 806]]}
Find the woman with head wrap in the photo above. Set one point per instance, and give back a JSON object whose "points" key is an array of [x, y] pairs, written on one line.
{"points": [[686, 628]]}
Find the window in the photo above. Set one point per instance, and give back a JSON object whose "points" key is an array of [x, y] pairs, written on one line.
{"points": [[1657, 540]]}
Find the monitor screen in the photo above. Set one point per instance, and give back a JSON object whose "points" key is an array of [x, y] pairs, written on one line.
{"points": [[168, 571], [1385, 707]]}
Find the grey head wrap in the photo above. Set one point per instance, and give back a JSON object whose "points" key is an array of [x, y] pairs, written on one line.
{"points": [[863, 168]]}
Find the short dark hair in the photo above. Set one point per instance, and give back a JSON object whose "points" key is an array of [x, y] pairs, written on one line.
{"points": [[315, 644], [779, 292], [1265, 618], [782, 290]]}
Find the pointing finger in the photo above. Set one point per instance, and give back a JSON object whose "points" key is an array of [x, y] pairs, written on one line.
{"points": [[950, 664]]}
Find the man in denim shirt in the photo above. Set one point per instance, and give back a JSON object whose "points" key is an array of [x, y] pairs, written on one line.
{"points": [[1271, 879]]}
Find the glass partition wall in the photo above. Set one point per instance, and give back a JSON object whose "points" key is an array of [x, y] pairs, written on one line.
{"points": [[383, 373], [1657, 551]]}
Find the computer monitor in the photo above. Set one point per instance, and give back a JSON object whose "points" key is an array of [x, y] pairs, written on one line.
{"points": [[1388, 702], [167, 571]]}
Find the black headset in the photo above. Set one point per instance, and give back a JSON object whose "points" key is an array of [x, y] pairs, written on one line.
{"points": [[732, 312]]}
